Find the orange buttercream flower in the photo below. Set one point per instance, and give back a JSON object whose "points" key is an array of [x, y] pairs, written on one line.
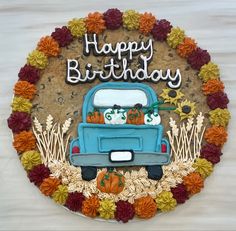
{"points": [[24, 141], [146, 23], [212, 86], [145, 207], [25, 89], [49, 186], [216, 135], [193, 183], [49, 46], [185, 48], [90, 206], [95, 23]]}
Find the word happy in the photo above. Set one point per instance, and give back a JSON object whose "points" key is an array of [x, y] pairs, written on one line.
{"points": [[118, 66]]}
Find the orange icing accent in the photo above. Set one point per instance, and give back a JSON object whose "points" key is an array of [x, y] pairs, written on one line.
{"points": [[185, 48], [193, 182], [110, 182], [49, 46], [25, 89], [90, 206], [24, 141], [146, 23], [145, 207], [212, 86], [216, 135], [49, 186], [95, 23]]}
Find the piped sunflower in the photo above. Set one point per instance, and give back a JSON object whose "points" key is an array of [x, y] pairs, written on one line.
{"points": [[171, 96], [186, 109]]}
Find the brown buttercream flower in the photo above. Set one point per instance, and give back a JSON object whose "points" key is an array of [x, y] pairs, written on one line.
{"points": [[146, 23], [212, 86], [90, 206], [49, 186], [193, 183], [24, 141], [25, 89], [185, 48], [49, 46], [216, 135], [95, 23], [145, 207]]}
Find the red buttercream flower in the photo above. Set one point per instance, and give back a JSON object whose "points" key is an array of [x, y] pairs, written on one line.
{"points": [[62, 36], [217, 100], [124, 211], [38, 173], [74, 201], [113, 19], [19, 121], [211, 153], [198, 58], [29, 73], [180, 193], [161, 29]]}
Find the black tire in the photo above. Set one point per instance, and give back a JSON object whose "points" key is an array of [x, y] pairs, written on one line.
{"points": [[88, 173], [155, 172]]}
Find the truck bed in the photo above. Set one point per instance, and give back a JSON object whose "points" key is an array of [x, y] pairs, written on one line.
{"points": [[102, 138]]}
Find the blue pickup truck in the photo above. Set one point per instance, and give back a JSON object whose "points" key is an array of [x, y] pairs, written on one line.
{"points": [[119, 145]]}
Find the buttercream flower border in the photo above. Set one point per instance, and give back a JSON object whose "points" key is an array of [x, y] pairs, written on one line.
{"points": [[161, 30]]}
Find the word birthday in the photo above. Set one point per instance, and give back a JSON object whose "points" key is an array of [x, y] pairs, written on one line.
{"points": [[117, 68]]}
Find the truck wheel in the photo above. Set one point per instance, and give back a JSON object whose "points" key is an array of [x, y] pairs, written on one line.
{"points": [[89, 173], [155, 172]]}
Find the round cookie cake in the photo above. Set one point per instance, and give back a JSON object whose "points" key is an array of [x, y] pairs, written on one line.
{"points": [[119, 115]]}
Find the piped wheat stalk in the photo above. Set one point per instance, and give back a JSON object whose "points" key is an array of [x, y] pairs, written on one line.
{"points": [[186, 140], [52, 141]]}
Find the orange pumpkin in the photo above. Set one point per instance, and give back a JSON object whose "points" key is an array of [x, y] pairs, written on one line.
{"points": [[95, 117], [110, 182], [135, 115]]}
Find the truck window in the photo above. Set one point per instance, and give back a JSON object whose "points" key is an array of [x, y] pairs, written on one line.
{"points": [[122, 97]]}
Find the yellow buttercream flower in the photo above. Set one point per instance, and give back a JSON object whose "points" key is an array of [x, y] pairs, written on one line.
{"points": [[203, 167], [60, 195], [77, 27], [21, 104], [209, 71], [30, 159], [175, 37], [131, 20], [165, 201], [107, 209], [186, 109], [37, 59], [220, 117], [171, 96]]}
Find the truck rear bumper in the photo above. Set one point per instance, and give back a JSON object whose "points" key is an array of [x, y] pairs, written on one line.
{"points": [[102, 159]]}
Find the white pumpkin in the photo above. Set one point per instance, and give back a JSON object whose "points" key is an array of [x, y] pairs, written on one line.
{"points": [[115, 116], [152, 118]]}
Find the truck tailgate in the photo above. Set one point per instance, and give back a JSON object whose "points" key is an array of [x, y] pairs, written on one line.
{"points": [[101, 138]]}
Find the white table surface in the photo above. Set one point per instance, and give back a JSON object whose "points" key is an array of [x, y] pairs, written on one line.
{"points": [[23, 22]]}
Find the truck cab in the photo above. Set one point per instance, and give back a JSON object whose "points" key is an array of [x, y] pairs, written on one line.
{"points": [[119, 145]]}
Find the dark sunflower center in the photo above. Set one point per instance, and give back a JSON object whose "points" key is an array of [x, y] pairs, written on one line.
{"points": [[186, 109], [172, 93]]}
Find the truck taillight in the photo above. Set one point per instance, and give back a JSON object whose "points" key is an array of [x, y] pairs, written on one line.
{"points": [[75, 149], [163, 148]]}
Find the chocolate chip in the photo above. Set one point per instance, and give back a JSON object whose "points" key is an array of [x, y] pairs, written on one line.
{"points": [[60, 100], [172, 93], [76, 113], [186, 109]]}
